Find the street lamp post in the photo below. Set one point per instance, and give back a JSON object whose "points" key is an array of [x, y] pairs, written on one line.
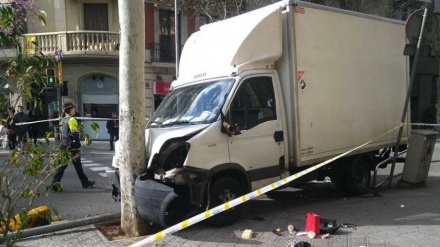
{"points": [[176, 37], [59, 61]]}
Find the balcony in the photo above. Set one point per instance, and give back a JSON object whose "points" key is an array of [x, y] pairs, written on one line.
{"points": [[74, 43], [162, 52]]}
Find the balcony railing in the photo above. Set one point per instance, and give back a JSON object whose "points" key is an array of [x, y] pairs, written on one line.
{"points": [[162, 52], [73, 42]]}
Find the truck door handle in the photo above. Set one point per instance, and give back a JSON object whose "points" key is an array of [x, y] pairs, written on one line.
{"points": [[278, 136]]}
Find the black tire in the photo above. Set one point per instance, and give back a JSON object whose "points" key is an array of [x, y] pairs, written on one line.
{"points": [[224, 189], [354, 178], [358, 178]]}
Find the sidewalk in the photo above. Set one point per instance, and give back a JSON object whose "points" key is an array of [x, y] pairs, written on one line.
{"points": [[397, 218]]}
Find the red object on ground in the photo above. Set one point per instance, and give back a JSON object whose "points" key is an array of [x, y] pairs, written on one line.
{"points": [[312, 223]]}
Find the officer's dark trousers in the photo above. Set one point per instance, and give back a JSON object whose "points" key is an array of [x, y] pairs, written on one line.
{"points": [[78, 168]]}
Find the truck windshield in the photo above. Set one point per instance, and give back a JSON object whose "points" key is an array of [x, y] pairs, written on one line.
{"points": [[194, 104]]}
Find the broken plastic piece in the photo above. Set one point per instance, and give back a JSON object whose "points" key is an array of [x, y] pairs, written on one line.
{"points": [[247, 234], [325, 236], [291, 228], [311, 235], [301, 233]]}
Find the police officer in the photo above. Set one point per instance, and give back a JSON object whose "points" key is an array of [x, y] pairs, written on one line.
{"points": [[70, 140]]}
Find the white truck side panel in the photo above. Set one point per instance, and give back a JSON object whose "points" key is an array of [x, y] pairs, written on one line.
{"points": [[351, 78]]}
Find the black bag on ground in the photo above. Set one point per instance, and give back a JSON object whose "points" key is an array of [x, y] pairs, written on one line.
{"points": [[328, 226]]}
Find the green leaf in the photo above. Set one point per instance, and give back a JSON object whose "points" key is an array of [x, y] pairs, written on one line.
{"points": [[29, 69], [95, 127], [27, 193], [87, 140], [47, 136], [27, 92]]}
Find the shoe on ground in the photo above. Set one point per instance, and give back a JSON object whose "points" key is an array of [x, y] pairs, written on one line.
{"points": [[88, 184]]}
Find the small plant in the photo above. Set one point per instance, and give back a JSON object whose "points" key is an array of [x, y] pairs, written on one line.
{"points": [[25, 174]]}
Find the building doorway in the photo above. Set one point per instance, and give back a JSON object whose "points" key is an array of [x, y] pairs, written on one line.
{"points": [[99, 98]]}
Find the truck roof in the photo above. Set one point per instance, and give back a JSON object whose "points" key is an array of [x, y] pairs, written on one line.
{"points": [[251, 40]]}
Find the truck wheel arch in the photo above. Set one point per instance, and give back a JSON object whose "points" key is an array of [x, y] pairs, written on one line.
{"points": [[234, 171]]}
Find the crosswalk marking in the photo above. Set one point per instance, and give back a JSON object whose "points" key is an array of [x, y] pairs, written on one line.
{"points": [[95, 167], [98, 169], [92, 164]]}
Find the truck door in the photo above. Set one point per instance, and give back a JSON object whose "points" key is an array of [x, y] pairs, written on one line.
{"points": [[259, 147]]}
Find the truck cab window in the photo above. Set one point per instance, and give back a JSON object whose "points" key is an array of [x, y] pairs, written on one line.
{"points": [[254, 103]]}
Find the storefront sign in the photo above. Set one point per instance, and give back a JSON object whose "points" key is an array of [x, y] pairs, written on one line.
{"points": [[161, 87]]}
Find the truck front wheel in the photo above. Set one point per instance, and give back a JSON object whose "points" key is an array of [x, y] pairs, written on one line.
{"points": [[225, 189]]}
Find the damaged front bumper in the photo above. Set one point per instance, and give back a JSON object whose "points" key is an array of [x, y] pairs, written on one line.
{"points": [[157, 202], [168, 200]]}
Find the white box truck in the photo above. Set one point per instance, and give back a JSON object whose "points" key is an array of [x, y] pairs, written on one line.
{"points": [[269, 93]]}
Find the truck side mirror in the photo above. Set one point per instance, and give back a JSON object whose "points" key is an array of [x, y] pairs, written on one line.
{"points": [[229, 128]]}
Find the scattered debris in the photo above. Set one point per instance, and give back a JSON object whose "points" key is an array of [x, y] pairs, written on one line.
{"points": [[301, 233], [348, 225], [277, 231], [247, 234], [311, 235], [402, 206], [325, 236], [291, 228]]}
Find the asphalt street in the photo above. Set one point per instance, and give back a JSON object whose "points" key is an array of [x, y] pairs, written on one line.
{"points": [[75, 202]]}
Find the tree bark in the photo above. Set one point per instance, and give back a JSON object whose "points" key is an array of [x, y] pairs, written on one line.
{"points": [[131, 110]]}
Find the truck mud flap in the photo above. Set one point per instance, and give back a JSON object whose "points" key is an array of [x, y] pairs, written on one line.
{"points": [[159, 203]]}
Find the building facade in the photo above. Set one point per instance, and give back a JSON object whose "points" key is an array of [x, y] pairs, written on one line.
{"points": [[87, 33]]}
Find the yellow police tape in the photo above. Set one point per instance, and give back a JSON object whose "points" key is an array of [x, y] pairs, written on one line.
{"points": [[221, 208], [58, 119]]}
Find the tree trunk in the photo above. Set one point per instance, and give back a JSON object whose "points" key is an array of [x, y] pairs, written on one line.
{"points": [[131, 110]]}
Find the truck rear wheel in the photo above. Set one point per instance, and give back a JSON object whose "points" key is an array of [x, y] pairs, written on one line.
{"points": [[225, 189], [352, 179]]}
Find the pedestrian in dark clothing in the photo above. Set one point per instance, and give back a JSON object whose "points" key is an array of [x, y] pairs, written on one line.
{"points": [[113, 129], [22, 130], [12, 132], [70, 141], [33, 128]]}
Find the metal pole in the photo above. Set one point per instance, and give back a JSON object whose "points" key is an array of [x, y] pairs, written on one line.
{"points": [[408, 95], [62, 226], [176, 36], [60, 107]]}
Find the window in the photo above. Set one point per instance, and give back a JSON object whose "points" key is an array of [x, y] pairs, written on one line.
{"points": [[96, 16], [254, 103], [167, 36]]}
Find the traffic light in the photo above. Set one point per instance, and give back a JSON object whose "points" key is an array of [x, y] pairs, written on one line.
{"points": [[50, 74]]}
